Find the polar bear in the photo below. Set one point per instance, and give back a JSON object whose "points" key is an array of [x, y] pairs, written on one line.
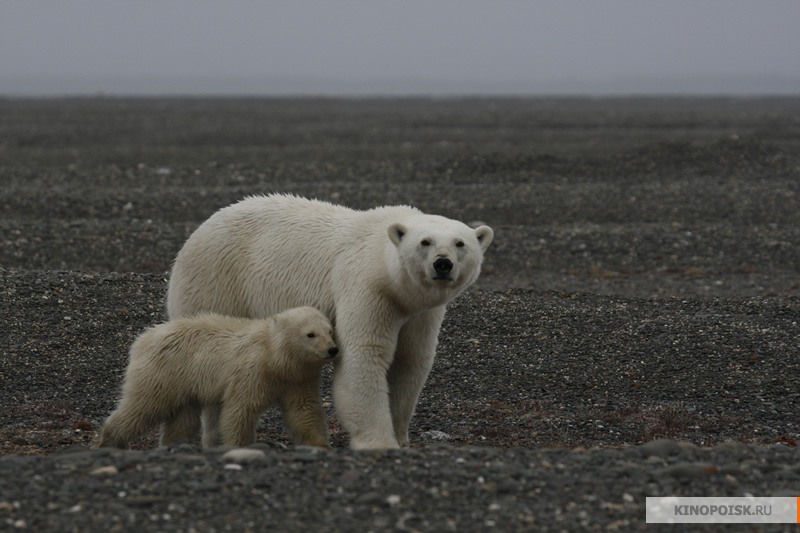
{"points": [[233, 369], [383, 275]]}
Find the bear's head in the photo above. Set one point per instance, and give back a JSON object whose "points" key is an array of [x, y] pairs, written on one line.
{"points": [[438, 254], [308, 332]]}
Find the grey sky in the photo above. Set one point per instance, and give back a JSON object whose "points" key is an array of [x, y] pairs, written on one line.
{"points": [[400, 47]]}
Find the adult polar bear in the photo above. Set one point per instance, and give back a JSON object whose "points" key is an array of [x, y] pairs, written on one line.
{"points": [[383, 276]]}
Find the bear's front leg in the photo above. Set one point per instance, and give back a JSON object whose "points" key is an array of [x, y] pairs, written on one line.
{"points": [[416, 349], [367, 338]]}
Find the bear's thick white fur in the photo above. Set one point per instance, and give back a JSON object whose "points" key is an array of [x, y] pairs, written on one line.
{"points": [[373, 272], [232, 369]]}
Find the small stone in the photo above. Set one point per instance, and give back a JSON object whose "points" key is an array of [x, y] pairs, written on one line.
{"points": [[7, 506], [660, 448], [243, 455], [687, 446], [104, 470], [186, 448], [435, 436]]}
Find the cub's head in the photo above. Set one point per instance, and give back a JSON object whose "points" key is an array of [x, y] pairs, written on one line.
{"points": [[306, 330], [440, 253]]}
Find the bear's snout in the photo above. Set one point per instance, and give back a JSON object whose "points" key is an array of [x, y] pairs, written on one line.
{"points": [[332, 352], [443, 266]]}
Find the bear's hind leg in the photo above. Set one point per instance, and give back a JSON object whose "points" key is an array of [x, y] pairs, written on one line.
{"points": [[182, 427]]}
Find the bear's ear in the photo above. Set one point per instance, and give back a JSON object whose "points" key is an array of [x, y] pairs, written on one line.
{"points": [[485, 236], [396, 233]]}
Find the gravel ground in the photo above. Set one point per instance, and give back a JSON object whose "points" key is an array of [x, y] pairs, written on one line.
{"points": [[634, 332]]}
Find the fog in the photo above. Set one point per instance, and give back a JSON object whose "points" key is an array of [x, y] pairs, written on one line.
{"points": [[397, 48]]}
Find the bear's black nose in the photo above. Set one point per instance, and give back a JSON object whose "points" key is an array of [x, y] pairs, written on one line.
{"points": [[443, 265], [332, 351]]}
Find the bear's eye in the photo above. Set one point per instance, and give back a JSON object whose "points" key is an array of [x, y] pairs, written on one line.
{"points": [[425, 242], [460, 244], [310, 335]]}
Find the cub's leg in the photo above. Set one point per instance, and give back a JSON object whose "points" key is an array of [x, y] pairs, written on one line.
{"points": [[211, 434], [237, 423], [304, 417], [182, 427], [130, 420]]}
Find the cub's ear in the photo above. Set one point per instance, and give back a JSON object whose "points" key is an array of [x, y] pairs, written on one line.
{"points": [[396, 233], [485, 236]]}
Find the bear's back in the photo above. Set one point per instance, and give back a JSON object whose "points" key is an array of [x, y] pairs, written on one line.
{"points": [[268, 253], [255, 215]]}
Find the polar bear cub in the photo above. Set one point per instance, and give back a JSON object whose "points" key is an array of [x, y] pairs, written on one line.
{"points": [[231, 369]]}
